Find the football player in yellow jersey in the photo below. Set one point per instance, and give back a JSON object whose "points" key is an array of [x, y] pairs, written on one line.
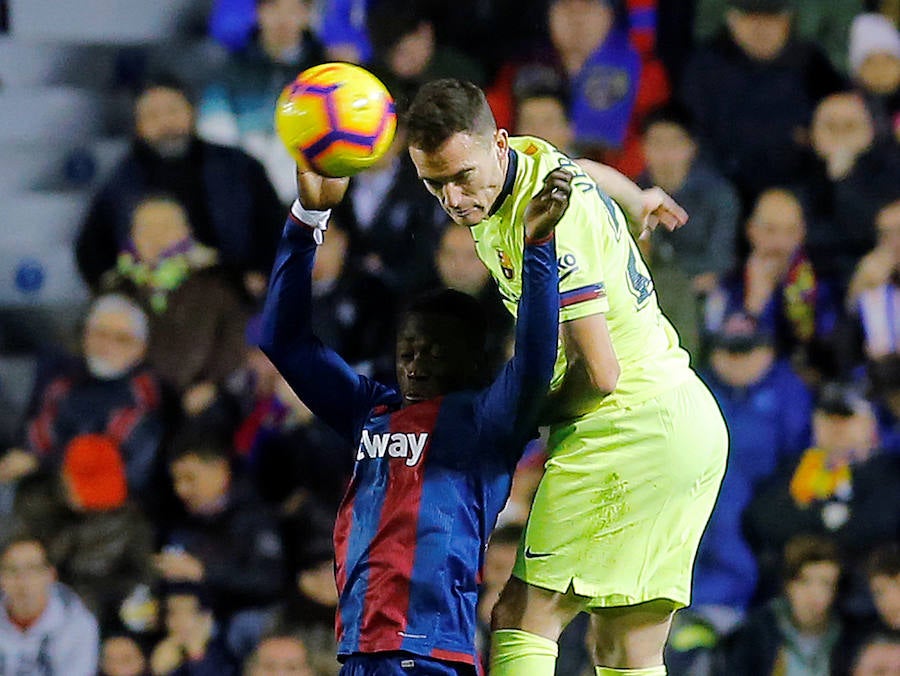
{"points": [[637, 444]]}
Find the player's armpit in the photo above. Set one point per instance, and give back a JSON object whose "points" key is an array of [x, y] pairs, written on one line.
{"points": [[592, 372]]}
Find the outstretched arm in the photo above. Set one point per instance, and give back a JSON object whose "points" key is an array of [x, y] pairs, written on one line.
{"points": [[510, 406], [645, 209], [319, 376]]}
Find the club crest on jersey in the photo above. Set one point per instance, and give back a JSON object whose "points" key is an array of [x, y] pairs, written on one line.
{"points": [[505, 264], [392, 444]]}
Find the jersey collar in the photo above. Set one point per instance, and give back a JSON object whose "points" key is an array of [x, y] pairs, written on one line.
{"points": [[508, 183]]}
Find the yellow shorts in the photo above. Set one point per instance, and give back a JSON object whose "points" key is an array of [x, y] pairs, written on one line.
{"points": [[626, 495]]}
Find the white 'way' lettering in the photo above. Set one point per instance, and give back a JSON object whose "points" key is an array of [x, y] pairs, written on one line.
{"points": [[395, 444]]}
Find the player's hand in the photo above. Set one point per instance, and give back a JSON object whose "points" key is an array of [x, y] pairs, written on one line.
{"points": [[657, 207], [318, 192], [547, 207]]}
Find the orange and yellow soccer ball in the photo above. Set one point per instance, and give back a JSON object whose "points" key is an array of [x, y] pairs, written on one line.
{"points": [[336, 118]]}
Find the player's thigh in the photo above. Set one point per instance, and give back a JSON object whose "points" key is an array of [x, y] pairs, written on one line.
{"points": [[631, 636], [394, 664], [540, 611], [624, 500]]}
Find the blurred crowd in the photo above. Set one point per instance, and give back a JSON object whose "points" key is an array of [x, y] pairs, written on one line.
{"points": [[166, 502]]}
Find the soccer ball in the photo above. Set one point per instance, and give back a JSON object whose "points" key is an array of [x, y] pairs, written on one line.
{"points": [[336, 119]]}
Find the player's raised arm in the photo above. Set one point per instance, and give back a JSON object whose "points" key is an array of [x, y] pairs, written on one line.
{"points": [[319, 376], [645, 209], [510, 406]]}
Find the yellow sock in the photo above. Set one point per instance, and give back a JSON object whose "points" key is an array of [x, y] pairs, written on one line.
{"points": [[649, 671], [518, 653]]}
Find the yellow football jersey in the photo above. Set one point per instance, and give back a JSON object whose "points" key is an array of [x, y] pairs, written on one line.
{"points": [[600, 271]]}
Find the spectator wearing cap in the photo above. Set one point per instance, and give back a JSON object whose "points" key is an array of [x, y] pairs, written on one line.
{"points": [[220, 535], [101, 542], [825, 24], [852, 176], [752, 91], [768, 410], [107, 390], [44, 626], [230, 202], [875, 69], [193, 644], [842, 486], [779, 286]]}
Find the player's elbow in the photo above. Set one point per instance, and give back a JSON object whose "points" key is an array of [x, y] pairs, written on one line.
{"points": [[604, 377]]}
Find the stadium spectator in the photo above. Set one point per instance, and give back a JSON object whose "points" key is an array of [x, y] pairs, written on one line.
{"points": [[687, 265], [752, 91], [797, 632], [354, 309], [842, 486], [193, 645], [542, 110], [122, 655], [406, 52], [768, 410], [106, 390], [875, 66], [101, 542], [238, 108], [222, 536], [852, 177], [779, 287], [883, 575], [279, 655], [231, 204], [197, 319], [44, 626], [705, 251], [879, 656], [884, 378], [826, 25], [288, 453], [391, 222], [609, 82]]}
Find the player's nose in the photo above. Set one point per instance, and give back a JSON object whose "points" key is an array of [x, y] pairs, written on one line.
{"points": [[452, 195]]}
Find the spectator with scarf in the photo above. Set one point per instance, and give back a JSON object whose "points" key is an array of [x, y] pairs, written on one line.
{"points": [[778, 285]]}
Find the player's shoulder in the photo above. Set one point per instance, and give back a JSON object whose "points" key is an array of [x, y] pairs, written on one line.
{"points": [[534, 150]]}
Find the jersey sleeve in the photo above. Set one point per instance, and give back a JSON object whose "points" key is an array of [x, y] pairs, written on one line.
{"points": [[591, 217], [507, 410], [331, 389]]}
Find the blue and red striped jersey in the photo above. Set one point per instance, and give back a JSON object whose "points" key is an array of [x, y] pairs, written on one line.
{"points": [[429, 478]]}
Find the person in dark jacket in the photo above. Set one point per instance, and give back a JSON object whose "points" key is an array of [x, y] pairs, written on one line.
{"points": [[231, 204], [193, 644], [107, 390], [222, 536], [796, 633], [752, 91], [843, 486], [100, 542]]}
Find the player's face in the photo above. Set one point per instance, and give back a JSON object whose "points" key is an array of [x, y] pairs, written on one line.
{"points": [[433, 358], [465, 174]]}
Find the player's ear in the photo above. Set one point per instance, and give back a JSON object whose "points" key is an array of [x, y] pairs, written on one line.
{"points": [[501, 142]]}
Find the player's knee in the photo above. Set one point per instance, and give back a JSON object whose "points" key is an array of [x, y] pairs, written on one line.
{"points": [[510, 607]]}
